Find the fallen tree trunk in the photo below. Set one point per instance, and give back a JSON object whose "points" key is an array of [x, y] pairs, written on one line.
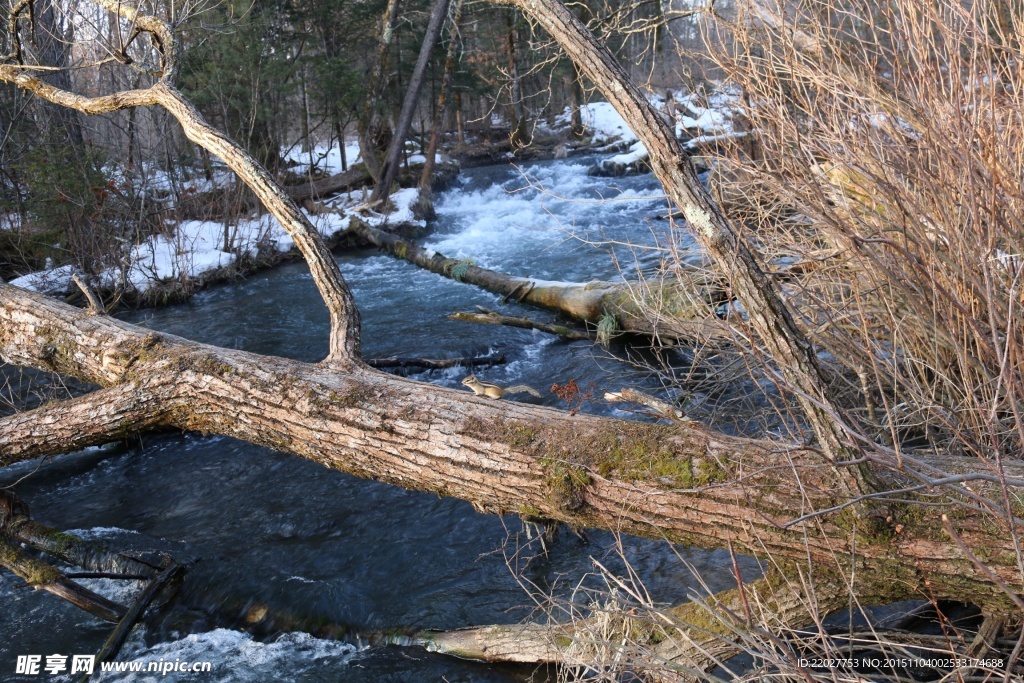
{"points": [[356, 175], [682, 482], [683, 310]]}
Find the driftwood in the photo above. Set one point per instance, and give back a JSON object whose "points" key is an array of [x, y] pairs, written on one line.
{"points": [[489, 317], [663, 409], [435, 363]]}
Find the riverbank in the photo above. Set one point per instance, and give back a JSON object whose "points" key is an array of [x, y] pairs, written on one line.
{"points": [[186, 256]]}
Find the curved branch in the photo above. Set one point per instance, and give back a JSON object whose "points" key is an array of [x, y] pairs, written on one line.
{"points": [[345, 322], [770, 317], [344, 346]]}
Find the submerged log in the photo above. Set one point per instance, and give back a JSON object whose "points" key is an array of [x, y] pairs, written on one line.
{"points": [[489, 317], [435, 363], [17, 527], [669, 311], [42, 576]]}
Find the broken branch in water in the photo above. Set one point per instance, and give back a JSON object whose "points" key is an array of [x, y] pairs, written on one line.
{"points": [[435, 363], [490, 317]]}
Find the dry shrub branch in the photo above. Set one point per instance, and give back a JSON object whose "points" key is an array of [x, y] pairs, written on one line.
{"points": [[888, 166]]}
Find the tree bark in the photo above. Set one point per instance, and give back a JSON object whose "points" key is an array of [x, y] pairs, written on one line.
{"points": [[681, 482], [368, 122]]}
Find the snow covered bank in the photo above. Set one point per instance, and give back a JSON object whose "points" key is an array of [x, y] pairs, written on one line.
{"points": [[698, 124], [197, 252]]}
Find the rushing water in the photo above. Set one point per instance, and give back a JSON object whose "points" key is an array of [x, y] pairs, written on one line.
{"points": [[275, 530]]}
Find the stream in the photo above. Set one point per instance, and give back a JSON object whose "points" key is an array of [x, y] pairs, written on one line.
{"points": [[276, 530]]}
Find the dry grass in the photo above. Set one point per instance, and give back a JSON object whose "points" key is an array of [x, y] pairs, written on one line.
{"points": [[884, 185], [889, 166]]}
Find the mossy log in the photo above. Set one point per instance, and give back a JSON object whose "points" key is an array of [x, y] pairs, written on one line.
{"points": [[677, 310], [682, 482], [42, 576]]}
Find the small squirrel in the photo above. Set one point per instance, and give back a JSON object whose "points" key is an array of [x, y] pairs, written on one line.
{"points": [[494, 391]]}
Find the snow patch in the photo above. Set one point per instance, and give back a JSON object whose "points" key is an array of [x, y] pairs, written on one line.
{"points": [[325, 159], [403, 201], [50, 281]]}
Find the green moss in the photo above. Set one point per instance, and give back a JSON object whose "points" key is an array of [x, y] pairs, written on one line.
{"points": [[520, 434], [459, 270], [627, 451], [607, 327], [58, 350], [210, 364], [530, 513], [319, 404], [694, 616], [565, 484], [62, 543], [33, 572]]}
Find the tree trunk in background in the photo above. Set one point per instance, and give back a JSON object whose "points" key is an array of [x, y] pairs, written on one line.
{"points": [[307, 140], [520, 136], [460, 121], [389, 170], [426, 200], [52, 46], [576, 103], [340, 132], [370, 123]]}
